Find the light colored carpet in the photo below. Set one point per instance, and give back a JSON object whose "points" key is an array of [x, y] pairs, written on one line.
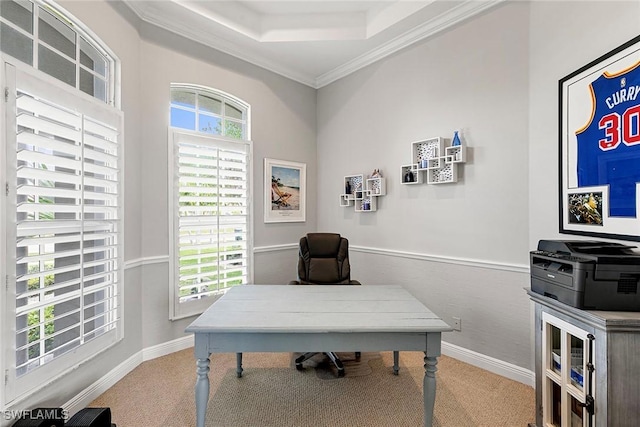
{"points": [[272, 392]]}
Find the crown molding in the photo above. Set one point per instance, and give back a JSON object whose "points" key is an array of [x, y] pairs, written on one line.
{"points": [[214, 41], [151, 15], [434, 26]]}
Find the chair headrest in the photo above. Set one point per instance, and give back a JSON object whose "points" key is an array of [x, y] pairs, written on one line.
{"points": [[323, 245]]}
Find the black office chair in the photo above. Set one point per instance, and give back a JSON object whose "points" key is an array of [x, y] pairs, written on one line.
{"points": [[324, 260]]}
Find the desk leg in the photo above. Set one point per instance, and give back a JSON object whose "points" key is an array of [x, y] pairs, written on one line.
{"points": [[396, 362], [202, 390], [429, 388], [239, 365]]}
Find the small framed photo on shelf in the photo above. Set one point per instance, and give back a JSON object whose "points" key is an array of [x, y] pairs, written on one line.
{"points": [[284, 191]]}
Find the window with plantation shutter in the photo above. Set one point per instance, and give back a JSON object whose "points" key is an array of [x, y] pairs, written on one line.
{"points": [[63, 227], [210, 209], [61, 207]]}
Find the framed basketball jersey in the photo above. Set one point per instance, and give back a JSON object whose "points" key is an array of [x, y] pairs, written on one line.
{"points": [[600, 146]]}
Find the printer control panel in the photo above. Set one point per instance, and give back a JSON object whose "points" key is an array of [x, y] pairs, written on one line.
{"points": [[564, 257], [551, 271]]}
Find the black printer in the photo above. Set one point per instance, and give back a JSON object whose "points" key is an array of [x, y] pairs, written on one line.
{"points": [[589, 275]]}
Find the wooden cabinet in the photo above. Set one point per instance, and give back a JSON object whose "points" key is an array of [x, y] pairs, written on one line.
{"points": [[587, 366]]}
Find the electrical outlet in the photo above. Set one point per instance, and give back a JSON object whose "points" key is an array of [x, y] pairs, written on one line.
{"points": [[457, 324]]}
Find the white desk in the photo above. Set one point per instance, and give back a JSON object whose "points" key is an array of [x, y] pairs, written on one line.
{"points": [[286, 318]]}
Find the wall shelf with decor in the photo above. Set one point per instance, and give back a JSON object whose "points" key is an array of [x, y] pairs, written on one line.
{"points": [[434, 159], [410, 174], [362, 193]]}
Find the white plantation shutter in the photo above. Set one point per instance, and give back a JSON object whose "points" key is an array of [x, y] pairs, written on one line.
{"points": [[64, 223], [210, 253]]}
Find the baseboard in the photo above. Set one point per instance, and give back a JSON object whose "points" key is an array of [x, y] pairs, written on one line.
{"points": [[86, 396], [488, 363], [89, 394], [160, 350]]}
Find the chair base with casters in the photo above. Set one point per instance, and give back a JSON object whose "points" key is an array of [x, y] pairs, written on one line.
{"points": [[338, 363], [331, 355]]}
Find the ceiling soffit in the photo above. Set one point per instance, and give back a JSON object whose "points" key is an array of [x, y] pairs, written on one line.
{"points": [[273, 34]]}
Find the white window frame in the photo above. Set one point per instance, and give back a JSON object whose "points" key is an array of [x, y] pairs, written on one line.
{"points": [[177, 309], [112, 78], [18, 387], [15, 389]]}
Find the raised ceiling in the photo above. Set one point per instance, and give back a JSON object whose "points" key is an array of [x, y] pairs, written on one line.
{"points": [[312, 42]]}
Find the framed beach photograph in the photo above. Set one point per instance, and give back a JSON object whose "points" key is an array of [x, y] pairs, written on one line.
{"points": [[284, 191], [599, 126]]}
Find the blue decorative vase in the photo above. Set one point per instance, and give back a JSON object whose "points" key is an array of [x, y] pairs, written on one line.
{"points": [[456, 139]]}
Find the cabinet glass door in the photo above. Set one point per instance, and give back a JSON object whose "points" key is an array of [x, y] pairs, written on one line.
{"points": [[577, 362], [577, 418], [566, 391]]}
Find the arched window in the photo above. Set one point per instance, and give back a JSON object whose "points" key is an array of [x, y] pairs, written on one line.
{"points": [[44, 37], [61, 218], [209, 193], [208, 111]]}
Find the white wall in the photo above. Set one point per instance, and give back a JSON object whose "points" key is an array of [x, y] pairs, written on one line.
{"points": [[473, 77]]}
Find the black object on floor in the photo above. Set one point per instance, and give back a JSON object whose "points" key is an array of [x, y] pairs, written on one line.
{"points": [[91, 417]]}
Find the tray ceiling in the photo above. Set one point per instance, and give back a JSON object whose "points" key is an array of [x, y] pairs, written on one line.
{"points": [[312, 42]]}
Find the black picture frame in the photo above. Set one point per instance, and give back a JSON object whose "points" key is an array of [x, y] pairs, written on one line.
{"points": [[599, 146]]}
